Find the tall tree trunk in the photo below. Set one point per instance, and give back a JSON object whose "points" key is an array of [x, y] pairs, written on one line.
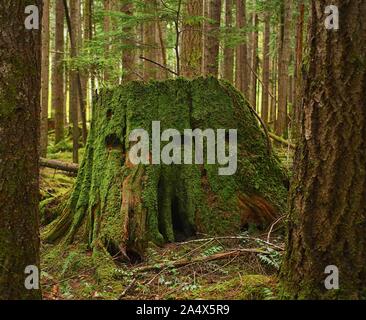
{"points": [[283, 77], [228, 73], [106, 30], [328, 198], [150, 45], [191, 53], [297, 72], [212, 45], [58, 73], [266, 67], [20, 79], [254, 60], [73, 104], [160, 40], [128, 53], [241, 63], [45, 77]]}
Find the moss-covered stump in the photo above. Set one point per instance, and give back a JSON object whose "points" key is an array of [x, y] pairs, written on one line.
{"points": [[120, 207]]}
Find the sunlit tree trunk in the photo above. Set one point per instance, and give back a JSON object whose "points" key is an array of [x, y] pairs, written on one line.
{"points": [[58, 72], [266, 67]]}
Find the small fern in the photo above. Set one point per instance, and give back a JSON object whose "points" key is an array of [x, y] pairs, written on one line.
{"points": [[272, 258]]}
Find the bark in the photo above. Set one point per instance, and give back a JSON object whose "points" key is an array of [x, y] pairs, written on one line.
{"points": [[191, 53], [106, 30], [212, 45], [150, 45], [73, 104], [241, 62], [327, 223], [58, 73], [266, 67], [129, 53], [297, 72], [283, 76], [254, 60], [20, 79], [228, 72], [45, 76]]}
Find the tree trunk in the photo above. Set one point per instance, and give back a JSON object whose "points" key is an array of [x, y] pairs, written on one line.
{"points": [[283, 77], [228, 73], [328, 194], [128, 53], [45, 76], [58, 73], [150, 45], [266, 67], [122, 206], [297, 72], [20, 79], [106, 30], [254, 66], [241, 65], [191, 53], [212, 45], [74, 98]]}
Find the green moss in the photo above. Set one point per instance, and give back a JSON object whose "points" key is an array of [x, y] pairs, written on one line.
{"points": [[246, 287], [115, 203]]}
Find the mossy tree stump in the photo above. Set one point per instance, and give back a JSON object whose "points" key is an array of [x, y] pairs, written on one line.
{"points": [[121, 207]]}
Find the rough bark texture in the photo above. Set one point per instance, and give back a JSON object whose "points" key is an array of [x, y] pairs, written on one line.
{"points": [[20, 78], [58, 73], [254, 61], [212, 43], [149, 40], [122, 207], [241, 62], [228, 73], [328, 201], [45, 77], [191, 53], [284, 61], [73, 104], [129, 67], [266, 67]]}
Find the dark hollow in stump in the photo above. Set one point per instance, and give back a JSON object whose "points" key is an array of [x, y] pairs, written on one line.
{"points": [[119, 207]]}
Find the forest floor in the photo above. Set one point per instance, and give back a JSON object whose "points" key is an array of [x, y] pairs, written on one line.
{"points": [[243, 266]]}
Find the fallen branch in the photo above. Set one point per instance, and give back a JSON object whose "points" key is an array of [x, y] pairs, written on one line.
{"points": [[232, 238], [281, 140], [184, 262], [60, 165]]}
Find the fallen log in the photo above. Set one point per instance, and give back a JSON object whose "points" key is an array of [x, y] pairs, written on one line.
{"points": [[187, 261], [281, 140], [59, 165]]}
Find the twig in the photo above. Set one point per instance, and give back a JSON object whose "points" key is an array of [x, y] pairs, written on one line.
{"points": [[160, 65], [129, 287], [270, 230]]}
